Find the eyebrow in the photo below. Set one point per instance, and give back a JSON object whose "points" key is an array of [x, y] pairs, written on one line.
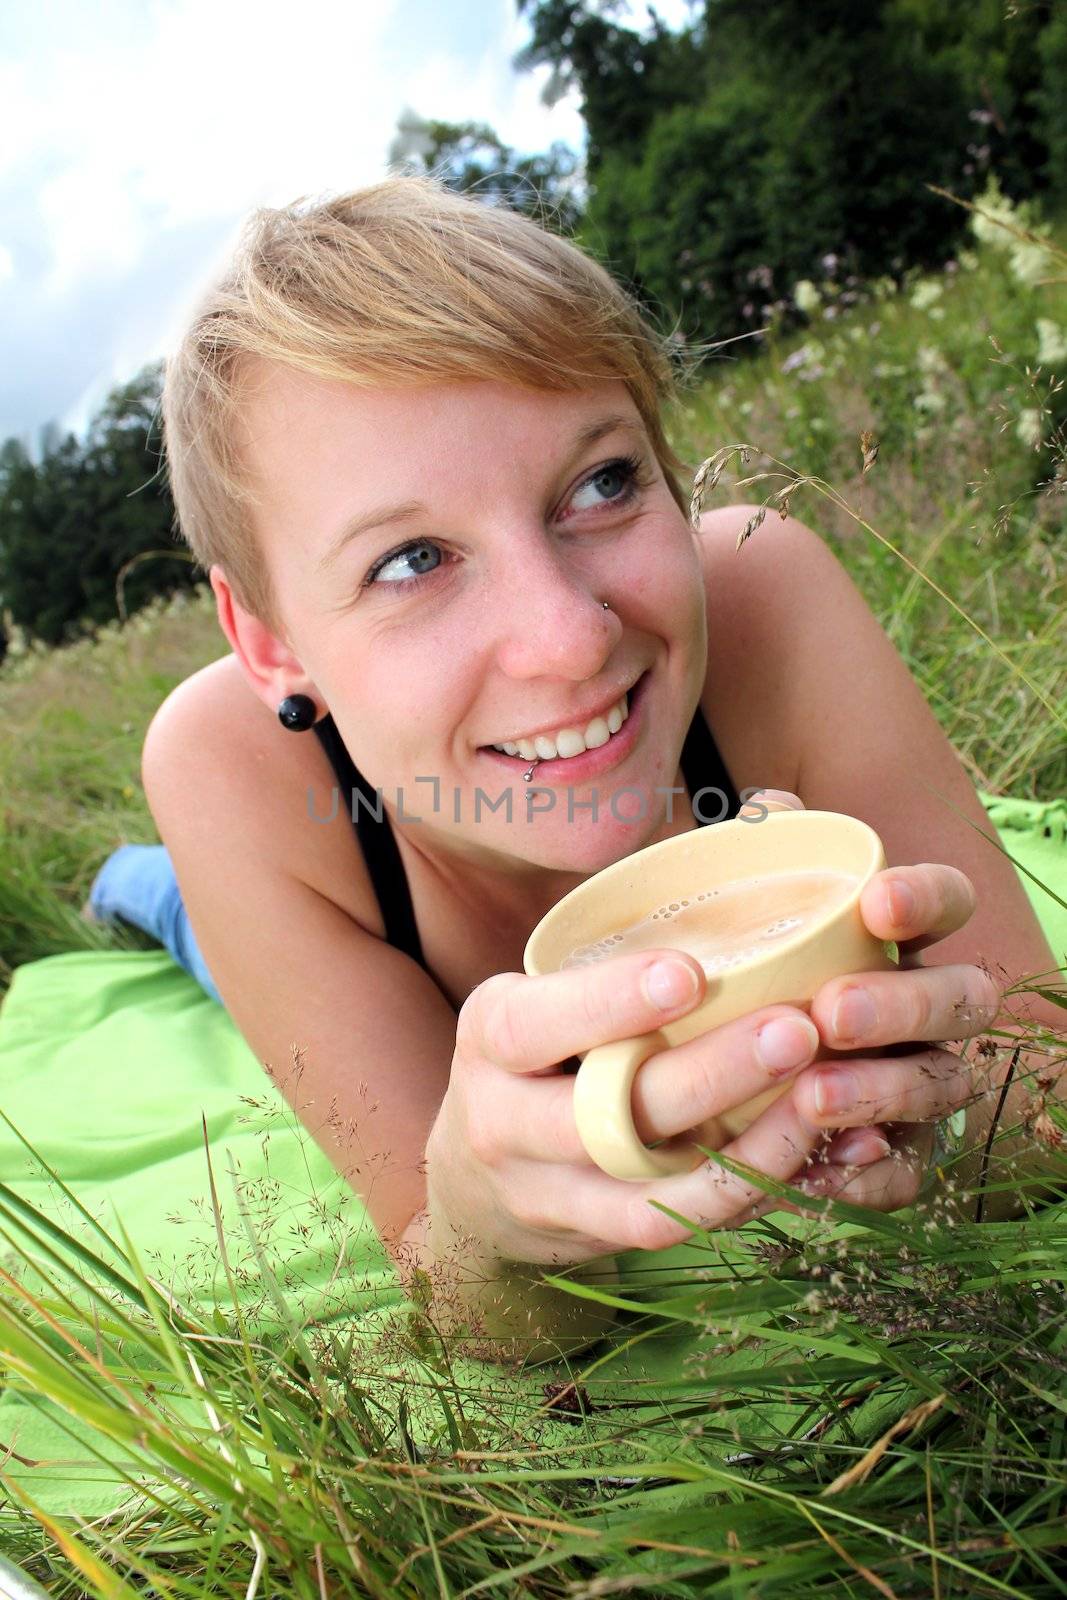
{"points": [[407, 510]]}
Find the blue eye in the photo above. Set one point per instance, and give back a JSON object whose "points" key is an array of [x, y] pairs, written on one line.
{"points": [[420, 553], [615, 481], [612, 485]]}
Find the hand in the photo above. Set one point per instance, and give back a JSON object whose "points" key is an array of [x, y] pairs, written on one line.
{"points": [[879, 1111], [505, 1166], [915, 906]]}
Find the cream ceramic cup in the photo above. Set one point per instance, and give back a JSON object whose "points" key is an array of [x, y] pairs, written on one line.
{"points": [[833, 943]]}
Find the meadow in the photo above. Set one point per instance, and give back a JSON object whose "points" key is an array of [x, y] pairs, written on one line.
{"points": [[925, 1359]]}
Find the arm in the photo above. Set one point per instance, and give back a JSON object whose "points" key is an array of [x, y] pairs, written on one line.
{"points": [[861, 739], [353, 1033]]}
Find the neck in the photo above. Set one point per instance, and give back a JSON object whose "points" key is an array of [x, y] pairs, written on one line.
{"points": [[507, 893]]}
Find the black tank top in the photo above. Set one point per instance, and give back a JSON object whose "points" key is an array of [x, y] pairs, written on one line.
{"points": [[702, 768]]}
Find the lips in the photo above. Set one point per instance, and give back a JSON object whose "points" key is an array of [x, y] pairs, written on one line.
{"points": [[589, 762], [561, 734]]}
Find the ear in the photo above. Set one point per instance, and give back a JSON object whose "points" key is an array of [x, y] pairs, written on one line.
{"points": [[269, 665]]}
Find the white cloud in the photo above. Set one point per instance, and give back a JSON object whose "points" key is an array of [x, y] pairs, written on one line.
{"points": [[136, 134]]}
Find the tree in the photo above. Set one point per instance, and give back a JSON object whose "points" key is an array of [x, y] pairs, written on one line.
{"points": [[470, 157], [1050, 98], [737, 154], [69, 523], [624, 78]]}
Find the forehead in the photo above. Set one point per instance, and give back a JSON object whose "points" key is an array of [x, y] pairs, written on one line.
{"points": [[319, 452], [281, 409]]}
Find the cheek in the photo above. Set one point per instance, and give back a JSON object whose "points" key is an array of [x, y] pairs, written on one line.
{"points": [[404, 693], [671, 582]]}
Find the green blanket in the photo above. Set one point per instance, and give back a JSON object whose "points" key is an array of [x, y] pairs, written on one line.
{"points": [[114, 1066]]}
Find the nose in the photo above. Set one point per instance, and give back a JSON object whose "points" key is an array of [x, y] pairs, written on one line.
{"points": [[550, 619]]}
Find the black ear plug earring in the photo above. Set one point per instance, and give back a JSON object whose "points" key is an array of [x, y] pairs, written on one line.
{"points": [[297, 712]]}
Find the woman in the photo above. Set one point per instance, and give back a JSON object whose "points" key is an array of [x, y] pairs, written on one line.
{"points": [[417, 444]]}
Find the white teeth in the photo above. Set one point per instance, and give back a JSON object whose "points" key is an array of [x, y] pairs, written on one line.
{"points": [[570, 741]]}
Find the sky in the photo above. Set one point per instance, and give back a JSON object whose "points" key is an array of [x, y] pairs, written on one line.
{"points": [[136, 134]]}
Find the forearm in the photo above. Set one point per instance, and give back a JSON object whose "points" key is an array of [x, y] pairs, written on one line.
{"points": [[494, 1309]]}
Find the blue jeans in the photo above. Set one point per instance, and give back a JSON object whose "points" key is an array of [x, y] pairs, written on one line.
{"points": [[137, 883]]}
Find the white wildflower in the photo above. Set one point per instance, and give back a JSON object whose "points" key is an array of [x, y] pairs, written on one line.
{"points": [[806, 297], [931, 360], [929, 400], [1029, 429], [1029, 263], [995, 208], [1051, 343], [803, 356], [924, 295]]}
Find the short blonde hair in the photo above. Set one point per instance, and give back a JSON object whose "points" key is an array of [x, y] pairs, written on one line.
{"points": [[405, 282]]}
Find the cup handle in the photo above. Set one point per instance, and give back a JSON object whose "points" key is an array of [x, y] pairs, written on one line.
{"points": [[604, 1115]]}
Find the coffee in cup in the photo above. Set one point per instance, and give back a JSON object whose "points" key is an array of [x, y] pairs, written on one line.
{"points": [[726, 924]]}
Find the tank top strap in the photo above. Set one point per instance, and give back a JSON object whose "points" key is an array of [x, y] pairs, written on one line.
{"points": [[380, 850], [704, 768]]}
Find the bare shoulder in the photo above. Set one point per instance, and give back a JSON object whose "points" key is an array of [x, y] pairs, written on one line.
{"points": [[356, 1036], [758, 597], [797, 657], [217, 762], [792, 638]]}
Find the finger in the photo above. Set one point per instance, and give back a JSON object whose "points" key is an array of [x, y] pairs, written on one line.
{"points": [[917, 1088], [598, 1214], [529, 1025], [915, 906], [760, 804], [884, 1185], [856, 1147], [840, 1159], [674, 1091], [935, 1003], [780, 1143]]}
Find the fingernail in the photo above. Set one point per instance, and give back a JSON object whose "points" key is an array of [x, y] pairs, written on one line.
{"points": [[786, 1042], [901, 898], [670, 984], [836, 1092], [860, 1147], [854, 1014]]}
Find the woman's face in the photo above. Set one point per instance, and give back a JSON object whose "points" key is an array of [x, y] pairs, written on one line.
{"points": [[441, 555]]}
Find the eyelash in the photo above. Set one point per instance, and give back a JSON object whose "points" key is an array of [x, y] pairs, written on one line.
{"points": [[628, 467]]}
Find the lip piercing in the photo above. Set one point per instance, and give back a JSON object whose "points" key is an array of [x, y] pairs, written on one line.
{"points": [[530, 772]]}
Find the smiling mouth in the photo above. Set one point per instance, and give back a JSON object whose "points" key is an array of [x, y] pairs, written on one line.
{"points": [[572, 741]]}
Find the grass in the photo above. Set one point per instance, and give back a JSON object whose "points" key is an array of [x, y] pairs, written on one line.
{"points": [[858, 1404], [867, 1404]]}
